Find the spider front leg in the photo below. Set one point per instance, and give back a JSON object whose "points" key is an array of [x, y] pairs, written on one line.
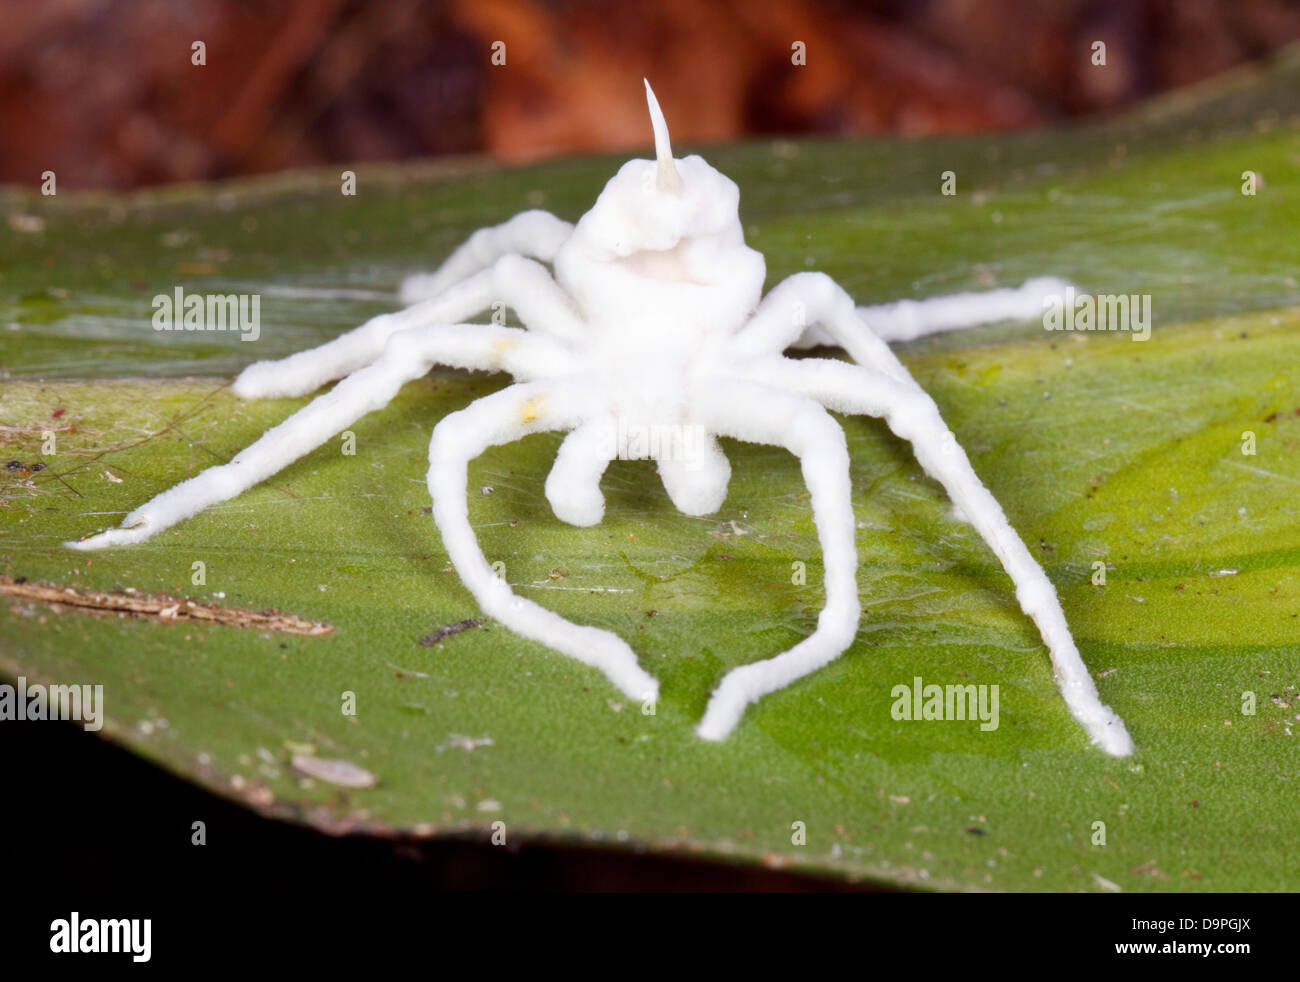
{"points": [[406, 357], [913, 415], [693, 468], [758, 413], [696, 477], [462, 436], [536, 233], [521, 284], [573, 486]]}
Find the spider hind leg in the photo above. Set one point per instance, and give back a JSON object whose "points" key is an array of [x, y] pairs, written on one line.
{"points": [[536, 233], [573, 485], [522, 284]]}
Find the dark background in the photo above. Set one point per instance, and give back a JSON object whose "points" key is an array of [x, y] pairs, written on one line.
{"points": [[103, 833], [84, 821], [103, 92]]}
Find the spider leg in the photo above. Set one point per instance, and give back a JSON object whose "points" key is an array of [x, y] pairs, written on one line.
{"points": [[913, 415], [756, 413], [573, 486], [809, 309], [530, 233], [513, 281], [696, 477], [907, 320], [805, 300], [406, 356], [459, 438]]}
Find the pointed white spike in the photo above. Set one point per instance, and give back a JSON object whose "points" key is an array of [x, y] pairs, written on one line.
{"points": [[667, 179]]}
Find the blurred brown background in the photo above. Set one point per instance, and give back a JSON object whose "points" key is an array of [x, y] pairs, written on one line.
{"points": [[104, 92]]}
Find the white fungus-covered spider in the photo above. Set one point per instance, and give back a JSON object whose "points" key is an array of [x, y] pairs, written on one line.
{"points": [[653, 322]]}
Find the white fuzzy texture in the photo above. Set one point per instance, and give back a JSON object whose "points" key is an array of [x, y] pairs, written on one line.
{"points": [[652, 320], [907, 320]]}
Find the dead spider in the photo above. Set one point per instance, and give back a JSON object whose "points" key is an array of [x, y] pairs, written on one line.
{"points": [[651, 340]]}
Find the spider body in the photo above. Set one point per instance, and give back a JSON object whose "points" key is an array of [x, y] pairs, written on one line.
{"points": [[663, 281], [651, 340]]}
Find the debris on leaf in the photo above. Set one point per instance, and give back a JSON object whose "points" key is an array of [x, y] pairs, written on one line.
{"points": [[340, 772], [465, 743], [168, 610], [440, 635]]}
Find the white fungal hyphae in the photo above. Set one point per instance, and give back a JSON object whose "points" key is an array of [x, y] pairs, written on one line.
{"points": [[654, 317]]}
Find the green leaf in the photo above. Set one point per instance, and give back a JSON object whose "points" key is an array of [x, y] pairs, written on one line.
{"points": [[1100, 449]]}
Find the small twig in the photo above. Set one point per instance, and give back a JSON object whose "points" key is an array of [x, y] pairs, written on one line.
{"points": [[167, 610], [428, 641]]}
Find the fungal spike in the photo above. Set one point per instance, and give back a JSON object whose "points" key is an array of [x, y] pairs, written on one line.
{"points": [[667, 179]]}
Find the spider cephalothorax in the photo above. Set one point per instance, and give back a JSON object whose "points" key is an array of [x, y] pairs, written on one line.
{"points": [[653, 327]]}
